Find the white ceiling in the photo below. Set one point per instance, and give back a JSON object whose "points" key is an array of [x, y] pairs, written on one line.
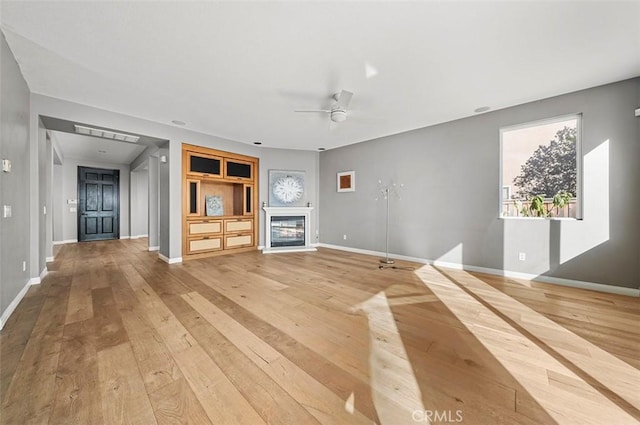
{"points": [[239, 69], [90, 148]]}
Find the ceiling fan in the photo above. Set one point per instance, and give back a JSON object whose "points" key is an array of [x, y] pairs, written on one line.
{"points": [[338, 111]]}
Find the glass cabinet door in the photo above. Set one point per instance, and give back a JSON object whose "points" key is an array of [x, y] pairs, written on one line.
{"points": [[248, 199], [193, 195], [204, 165], [238, 170]]}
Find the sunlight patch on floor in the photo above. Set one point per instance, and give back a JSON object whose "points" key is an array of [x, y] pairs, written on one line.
{"points": [[395, 390], [562, 393], [349, 405]]}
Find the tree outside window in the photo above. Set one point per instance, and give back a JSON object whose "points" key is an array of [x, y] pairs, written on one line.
{"points": [[540, 169]]}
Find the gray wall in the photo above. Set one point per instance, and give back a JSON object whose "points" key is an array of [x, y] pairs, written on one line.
{"points": [[448, 209], [70, 191], [48, 201], [139, 203], [59, 206], [45, 163], [154, 203], [166, 198], [14, 186]]}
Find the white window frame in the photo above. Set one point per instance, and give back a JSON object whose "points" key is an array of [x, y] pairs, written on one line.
{"points": [[579, 177]]}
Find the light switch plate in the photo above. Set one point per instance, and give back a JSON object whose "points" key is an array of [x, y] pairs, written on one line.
{"points": [[6, 165], [72, 209], [6, 211]]}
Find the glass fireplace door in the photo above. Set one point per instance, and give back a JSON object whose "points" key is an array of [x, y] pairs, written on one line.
{"points": [[287, 231]]}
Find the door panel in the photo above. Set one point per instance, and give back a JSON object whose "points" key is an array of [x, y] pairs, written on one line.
{"points": [[107, 224], [98, 204], [91, 225], [107, 198]]}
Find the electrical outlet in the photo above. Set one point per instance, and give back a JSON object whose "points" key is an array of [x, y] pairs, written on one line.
{"points": [[24, 266], [6, 211], [522, 256], [344, 237], [6, 165]]}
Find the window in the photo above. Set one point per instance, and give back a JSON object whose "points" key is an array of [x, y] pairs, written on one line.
{"points": [[540, 169]]}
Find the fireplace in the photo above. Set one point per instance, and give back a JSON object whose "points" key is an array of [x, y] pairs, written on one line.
{"points": [[288, 229]]}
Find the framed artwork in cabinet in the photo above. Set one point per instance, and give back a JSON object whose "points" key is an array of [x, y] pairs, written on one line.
{"points": [[346, 181]]}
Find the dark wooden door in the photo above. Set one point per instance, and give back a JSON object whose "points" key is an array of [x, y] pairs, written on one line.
{"points": [[98, 206]]}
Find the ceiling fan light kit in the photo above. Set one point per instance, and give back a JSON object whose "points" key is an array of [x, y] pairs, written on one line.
{"points": [[338, 115]]}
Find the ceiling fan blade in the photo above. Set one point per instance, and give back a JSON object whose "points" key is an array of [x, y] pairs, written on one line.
{"points": [[312, 110], [344, 99]]}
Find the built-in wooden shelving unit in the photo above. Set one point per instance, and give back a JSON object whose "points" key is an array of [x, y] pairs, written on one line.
{"points": [[230, 182]]}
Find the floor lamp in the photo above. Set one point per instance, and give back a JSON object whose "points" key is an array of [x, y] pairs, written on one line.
{"points": [[387, 191]]}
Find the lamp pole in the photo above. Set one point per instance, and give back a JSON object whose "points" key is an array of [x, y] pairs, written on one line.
{"points": [[386, 259]]}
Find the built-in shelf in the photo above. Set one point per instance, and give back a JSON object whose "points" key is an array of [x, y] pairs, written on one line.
{"points": [[229, 182]]}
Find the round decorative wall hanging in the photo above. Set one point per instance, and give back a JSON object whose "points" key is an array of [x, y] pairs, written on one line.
{"points": [[288, 189]]}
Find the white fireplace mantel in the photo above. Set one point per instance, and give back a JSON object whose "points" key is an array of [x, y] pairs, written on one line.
{"points": [[287, 212]]}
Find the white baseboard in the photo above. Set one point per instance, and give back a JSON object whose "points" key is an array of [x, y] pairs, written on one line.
{"points": [[43, 273], [125, 237], [168, 260], [12, 306], [138, 236], [65, 241], [50, 259], [154, 248], [619, 290]]}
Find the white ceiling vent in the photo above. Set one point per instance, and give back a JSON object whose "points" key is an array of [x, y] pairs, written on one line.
{"points": [[106, 134]]}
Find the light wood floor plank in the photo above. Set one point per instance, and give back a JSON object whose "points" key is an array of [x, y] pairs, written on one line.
{"points": [[76, 401], [31, 393], [176, 404], [124, 398], [317, 399], [219, 398]]}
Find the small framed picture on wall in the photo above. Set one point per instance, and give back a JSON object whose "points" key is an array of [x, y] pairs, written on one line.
{"points": [[347, 181]]}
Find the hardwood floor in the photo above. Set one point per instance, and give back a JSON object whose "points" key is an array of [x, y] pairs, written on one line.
{"points": [[115, 336]]}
